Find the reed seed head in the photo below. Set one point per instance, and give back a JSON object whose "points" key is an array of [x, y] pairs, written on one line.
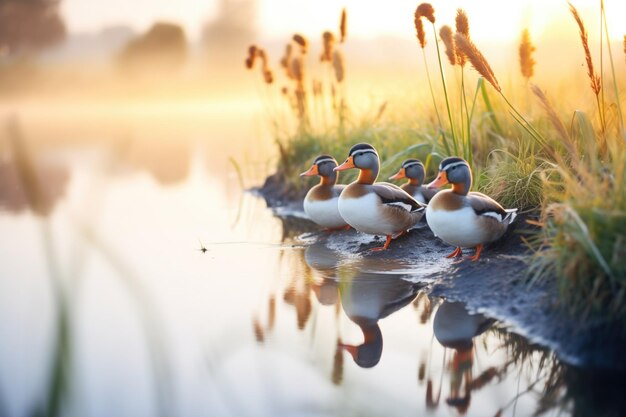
{"points": [[446, 36], [252, 54], [476, 58], [426, 10], [554, 118], [328, 41], [526, 61], [301, 40], [343, 25], [419, 29], [268, 76], [339, 66], [595, 79], [297, 68], [462, 23]]}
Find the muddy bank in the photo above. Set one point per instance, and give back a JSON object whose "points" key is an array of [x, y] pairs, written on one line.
{"points": [[496, 285]]}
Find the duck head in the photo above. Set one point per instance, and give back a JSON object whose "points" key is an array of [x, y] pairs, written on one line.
{"points": [[324, 167], [413, 169], [367, 354], [364, 157], [455, 171]]}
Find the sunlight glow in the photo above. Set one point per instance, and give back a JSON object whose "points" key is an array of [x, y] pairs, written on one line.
{"points": [[489, 19]]}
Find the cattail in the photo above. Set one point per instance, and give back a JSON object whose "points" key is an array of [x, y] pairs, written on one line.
{"points": [[297, 68], [595, 79], [419, 29], [446, 36], [342, 25], [301, 40], [477, 59], [328, 42], [285, 61], [526, 61], [338, 65], [461, 23], [426, 10], [252, 53]]}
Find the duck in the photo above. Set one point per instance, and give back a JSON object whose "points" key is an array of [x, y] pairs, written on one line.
{"points": [[464, 218], [413, 170], [321, 202], [375, 208]]}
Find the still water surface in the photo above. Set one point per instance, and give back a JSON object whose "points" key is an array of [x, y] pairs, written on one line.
{"points": [[109, 306]]}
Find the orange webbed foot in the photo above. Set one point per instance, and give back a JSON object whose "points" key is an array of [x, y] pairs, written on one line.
{"points": [[457, 252], [476, 256], [384, 247]]}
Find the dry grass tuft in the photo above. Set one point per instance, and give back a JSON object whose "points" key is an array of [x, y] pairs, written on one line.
{"points": [[426, 10], [448, 40], [328, 41], [526, 49], [301, 40], [478, 61], [343, 25], [339, 66], [462, 26], [593, 77]]}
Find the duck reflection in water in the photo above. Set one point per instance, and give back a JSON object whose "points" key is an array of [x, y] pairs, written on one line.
{"points": [[454, 327], [367, 297]]}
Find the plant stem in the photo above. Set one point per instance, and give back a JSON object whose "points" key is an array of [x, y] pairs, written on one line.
{"points": [[617, 98], [445, 92], [432, 94]]}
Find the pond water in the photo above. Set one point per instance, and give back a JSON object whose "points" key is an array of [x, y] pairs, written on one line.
{"points": [[138, 278]]}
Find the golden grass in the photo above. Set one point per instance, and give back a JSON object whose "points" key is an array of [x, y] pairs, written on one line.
{"points": [[476, 58], [448, 40], [426, 10], [461, 23], [593, 77], [526, 61], [419, 29]]}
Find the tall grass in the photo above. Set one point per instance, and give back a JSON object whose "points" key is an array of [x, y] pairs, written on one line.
{"points": [[564, 164]]}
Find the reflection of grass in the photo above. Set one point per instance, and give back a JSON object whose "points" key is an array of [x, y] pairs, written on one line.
{"points": [[534, 160], [59, 384]]}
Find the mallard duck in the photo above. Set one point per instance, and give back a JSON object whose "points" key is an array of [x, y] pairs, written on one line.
{"points": [[375, 208], [413, 170], [320, 203], [462, 218]]}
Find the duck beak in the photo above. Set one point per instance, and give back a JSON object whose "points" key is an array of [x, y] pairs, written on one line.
{"points": [[346, 165], [399, 175], [351, 349], [312, 171], [441, 180]]}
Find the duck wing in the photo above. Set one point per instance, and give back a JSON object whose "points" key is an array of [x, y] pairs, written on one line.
{"points": [[392, 195], [484, 205]]}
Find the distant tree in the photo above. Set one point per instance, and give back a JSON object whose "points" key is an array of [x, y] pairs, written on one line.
{"points": [[163, 48], [28, 26]]}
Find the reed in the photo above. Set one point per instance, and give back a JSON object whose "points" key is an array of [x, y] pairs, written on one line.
{"points": [[343, 25], [526, 61], [595, 81], [302, 41], [427, 11], [446, 36]]}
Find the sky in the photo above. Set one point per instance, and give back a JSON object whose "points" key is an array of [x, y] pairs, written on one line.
{"points": [[489, 19]]}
